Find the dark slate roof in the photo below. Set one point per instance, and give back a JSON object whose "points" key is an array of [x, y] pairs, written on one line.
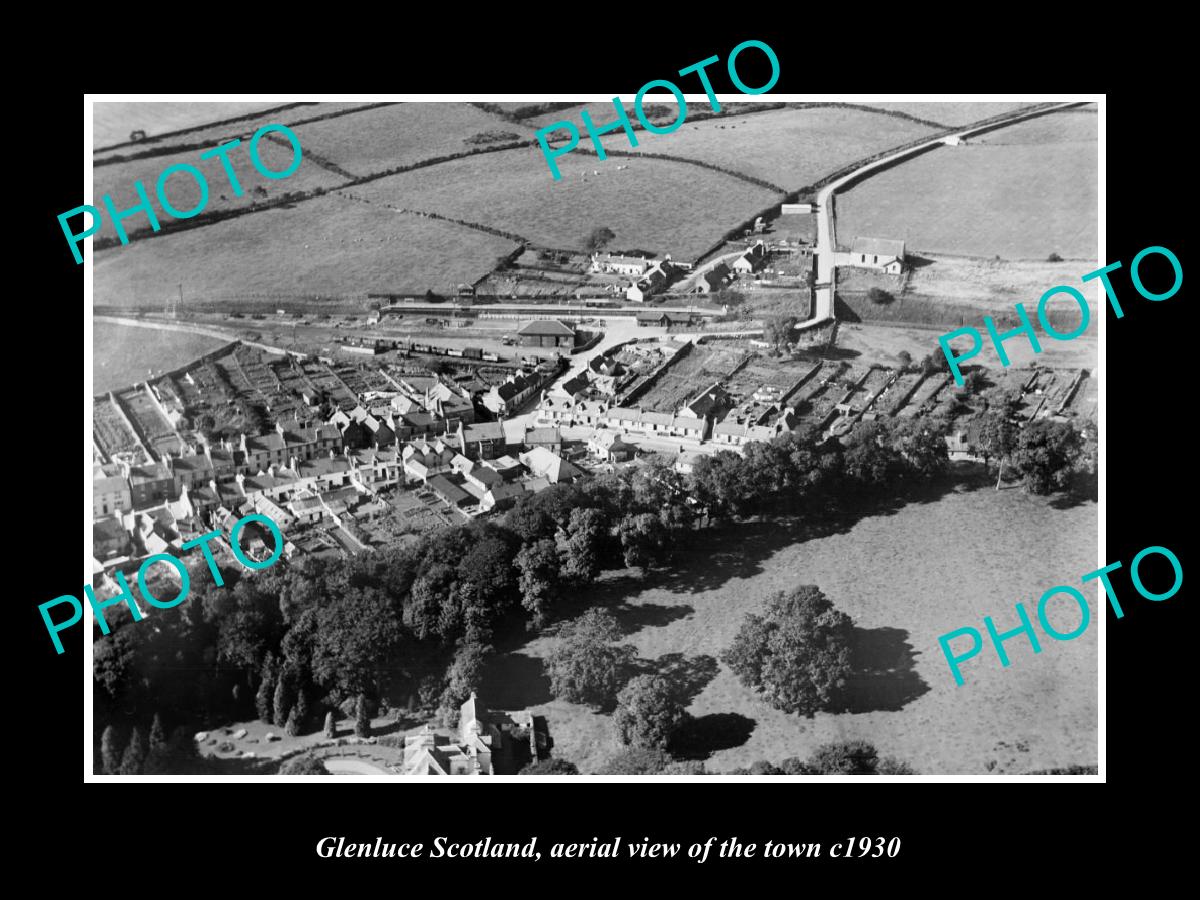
{"points": [[551, 327]]}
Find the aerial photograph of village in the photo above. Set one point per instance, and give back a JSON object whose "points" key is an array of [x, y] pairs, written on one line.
{"points": [[656, 468]]}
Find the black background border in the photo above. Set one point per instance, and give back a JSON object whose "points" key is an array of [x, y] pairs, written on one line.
{"points": [[949, 828]]}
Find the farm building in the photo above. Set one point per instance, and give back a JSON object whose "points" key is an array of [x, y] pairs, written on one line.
{"points": [[547, 333], [663, 319], [796, 209], [712, 280], [878, 253], [751, 260]]}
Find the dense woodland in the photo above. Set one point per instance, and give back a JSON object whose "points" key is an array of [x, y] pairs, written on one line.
{"points": [[411, 627]]}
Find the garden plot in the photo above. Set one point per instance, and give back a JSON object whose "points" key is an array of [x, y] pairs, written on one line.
{"points": [[110, 430], [925, 395], [325, 380], [894, 399], [157, 430], [763, 371], [815, 400], [697, 371], [1086, 398]]}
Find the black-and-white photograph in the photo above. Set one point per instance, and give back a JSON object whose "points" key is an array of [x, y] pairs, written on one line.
{"points": [[727, 436]]}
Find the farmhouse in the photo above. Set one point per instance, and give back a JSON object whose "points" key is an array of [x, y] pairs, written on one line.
{"points": [[878, 253], [652, 282], [620, 265], [547, 333]]}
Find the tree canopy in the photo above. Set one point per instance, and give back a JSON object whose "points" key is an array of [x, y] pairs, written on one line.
{"points": [[648, 713], [797, 654], [585, 666]]}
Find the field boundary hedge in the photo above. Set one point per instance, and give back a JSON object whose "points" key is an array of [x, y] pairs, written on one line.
{"points": [[209, 218]]}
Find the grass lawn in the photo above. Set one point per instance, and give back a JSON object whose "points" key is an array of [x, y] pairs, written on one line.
{"points": [[1021, 192], [124, 355], [328, 247], [655, 205], [905, 577], [788, 147]]}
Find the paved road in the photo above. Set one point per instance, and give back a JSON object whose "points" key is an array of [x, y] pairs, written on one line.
{"points": [[826, 232]]}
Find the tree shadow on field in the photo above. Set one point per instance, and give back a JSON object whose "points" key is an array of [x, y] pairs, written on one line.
{"points": [[515, 681], [884, 678], [688, 675], [612, 594], [700, 737], [1083, 489]]}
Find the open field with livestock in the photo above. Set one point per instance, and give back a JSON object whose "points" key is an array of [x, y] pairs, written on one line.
{"points": [[324, 247], [1021, 192], [905, 577], [655, 205]]}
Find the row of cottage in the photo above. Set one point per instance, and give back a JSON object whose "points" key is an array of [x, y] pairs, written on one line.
{"points": [[710, 415]]}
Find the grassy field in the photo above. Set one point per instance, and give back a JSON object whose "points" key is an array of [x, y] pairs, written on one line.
{"points": [[328, 247], [190, 114], [124, 355], [1022, 192], [654, 205], [905, 578], [184, 193], [788, 147], [989, 283], [881, 344], [398, 135], [949, 114], [113, 121]]}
